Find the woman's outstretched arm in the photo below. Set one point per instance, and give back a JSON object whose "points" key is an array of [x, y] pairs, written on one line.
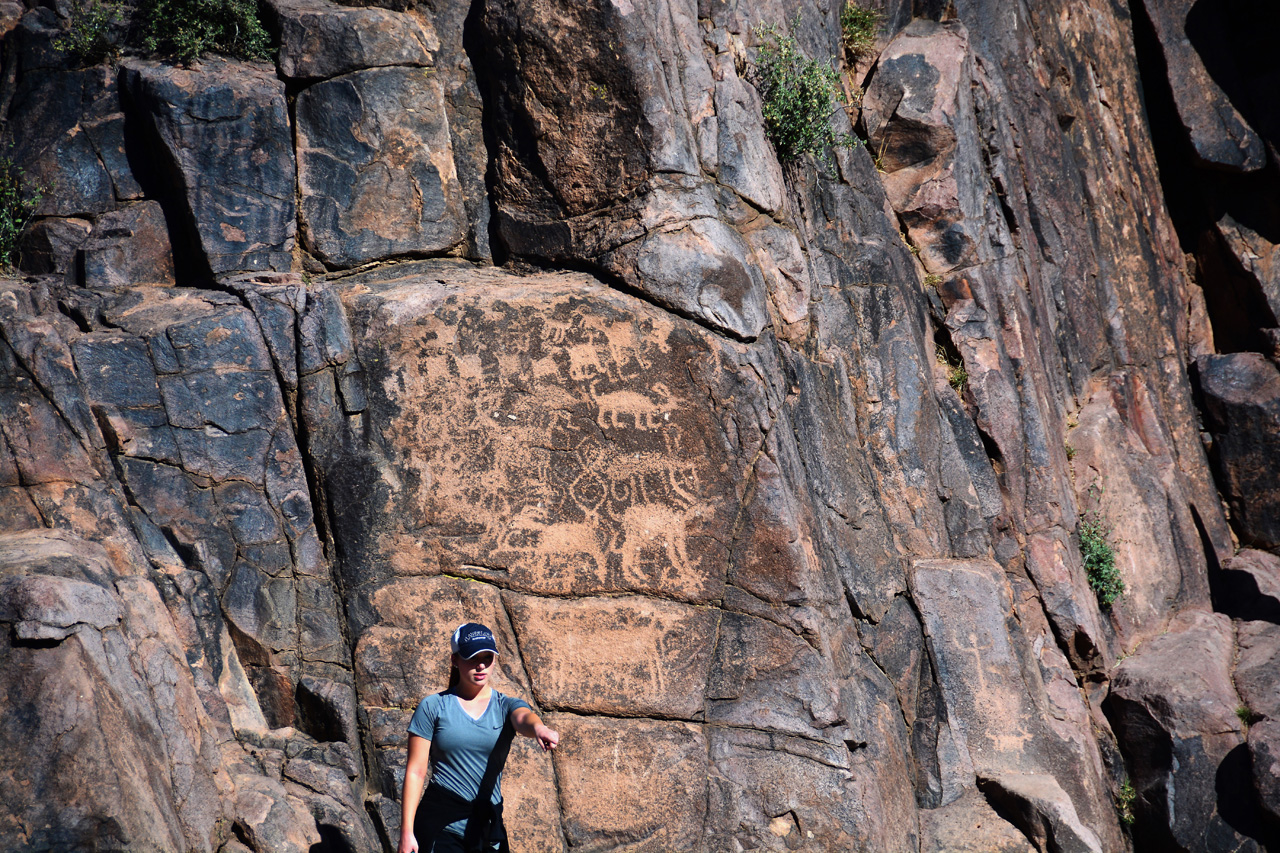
{"points": [[530, 724], [415, 775]]}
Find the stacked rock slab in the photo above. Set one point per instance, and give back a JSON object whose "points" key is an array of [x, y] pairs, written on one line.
{"points": [[696, 447]]}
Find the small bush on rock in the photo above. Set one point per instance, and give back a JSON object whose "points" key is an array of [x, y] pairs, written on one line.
{"points": [[858, 28], [94, 31], [1100, 559], [186, 29], [799, 94], [1125, 799], [18, 201], [957, 376]]}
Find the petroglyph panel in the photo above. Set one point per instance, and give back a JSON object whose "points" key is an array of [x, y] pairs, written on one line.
{"points": [[628, 656], [965, 606], [548, 434]]}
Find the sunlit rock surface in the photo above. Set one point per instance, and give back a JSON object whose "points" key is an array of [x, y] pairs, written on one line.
{"points": [[770, 479]]}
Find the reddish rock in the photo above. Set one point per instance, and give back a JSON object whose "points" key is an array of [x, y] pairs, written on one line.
{"points": [[618, 656], [631, 782], [49, 245], [910, 110], [597, 158], [1126, 480], [1257, 669], [1038, 806], [969, 825], [1264, 750], [127, 247], [998, 709], [1248, 586], [621, 463], [739, 436], [135, 718]]}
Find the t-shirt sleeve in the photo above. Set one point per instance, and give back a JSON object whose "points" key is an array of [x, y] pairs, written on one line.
{"points": [[423, 723], [513, 702]]}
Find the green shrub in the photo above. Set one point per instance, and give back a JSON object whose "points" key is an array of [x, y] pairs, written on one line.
{"points": [[92, 35], [858, 28], [18, 201], [186, 29], [957, 376], [799, 96], [1246, 715], [1125, 799], [1100, 559]]}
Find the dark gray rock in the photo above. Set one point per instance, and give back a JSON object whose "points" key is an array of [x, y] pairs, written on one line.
{"points": [[1242, 406], [376, 168], [320, 39], [703, 270], [1218, 133], [1173, 709], [1257, 669], [225, 132], [49, 245], [1264, 750], [51, 107], [129, 246], [328, 712]]}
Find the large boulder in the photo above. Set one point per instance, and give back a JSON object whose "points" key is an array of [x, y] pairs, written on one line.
{"points": [[1173, 708], [600, 156], [1264, 752], [127, 247], [375, 166], [97, 696], [1248, 586], [1219, 135], [222, 132], [586, 516], [319, 39], [1242, 407], [997, 708]]}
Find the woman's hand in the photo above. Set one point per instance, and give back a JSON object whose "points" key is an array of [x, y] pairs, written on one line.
{"points": [[549, 738], [408, 844]]}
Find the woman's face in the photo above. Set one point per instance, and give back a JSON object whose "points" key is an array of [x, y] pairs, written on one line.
{"points": [[475, 671]]}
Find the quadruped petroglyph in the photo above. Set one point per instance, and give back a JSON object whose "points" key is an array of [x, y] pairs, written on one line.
{"points": [[566, 446]]}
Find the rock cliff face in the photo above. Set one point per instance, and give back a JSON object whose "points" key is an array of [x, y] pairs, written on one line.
{"points": [[773, 480]]}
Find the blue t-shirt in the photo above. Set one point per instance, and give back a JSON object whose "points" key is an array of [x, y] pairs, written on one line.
{"points": [[461, 745]]}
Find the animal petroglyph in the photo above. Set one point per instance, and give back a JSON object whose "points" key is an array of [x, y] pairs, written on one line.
{"points": [[652, 538], [632, 409], [556, 545]]}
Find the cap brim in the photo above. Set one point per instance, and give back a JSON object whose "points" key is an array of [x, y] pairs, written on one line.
{"points": [[493, 652]]}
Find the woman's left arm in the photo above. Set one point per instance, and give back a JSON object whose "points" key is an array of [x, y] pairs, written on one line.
{"points": [[530, 724]]}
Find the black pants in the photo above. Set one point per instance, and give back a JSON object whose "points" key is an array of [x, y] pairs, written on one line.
{"points": [[440, 807]]}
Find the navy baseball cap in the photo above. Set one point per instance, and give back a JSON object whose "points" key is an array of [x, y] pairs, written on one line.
{"points": [[471, 639]]}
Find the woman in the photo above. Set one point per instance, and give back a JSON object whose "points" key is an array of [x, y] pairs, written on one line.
{"points": [[462, 734]]}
